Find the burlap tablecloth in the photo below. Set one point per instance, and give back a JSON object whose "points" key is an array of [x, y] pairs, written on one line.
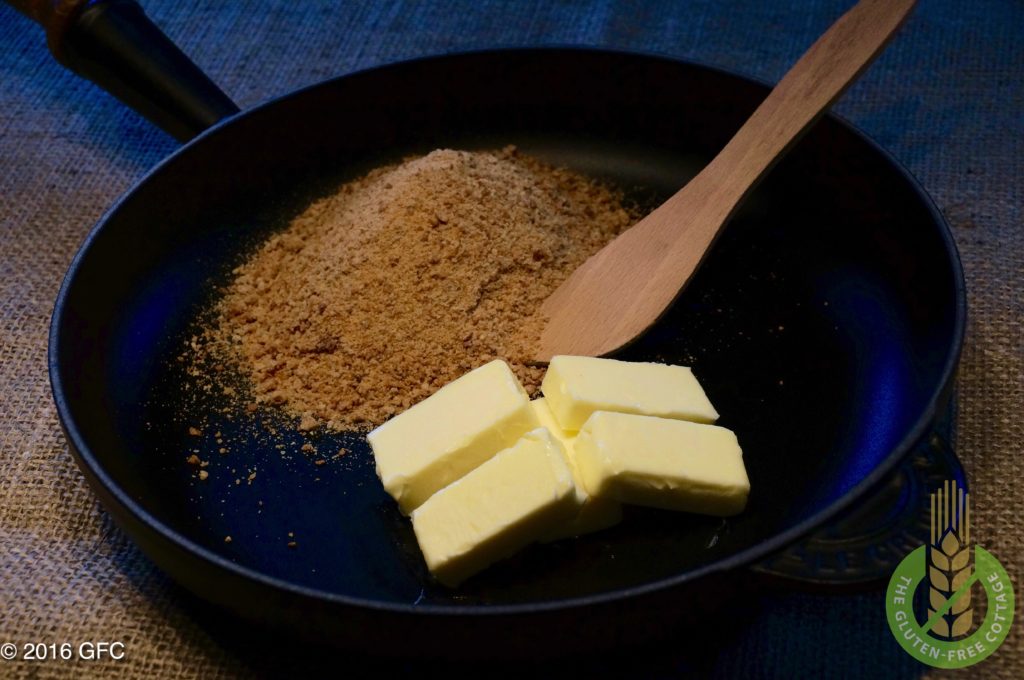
{"points": [[947, 98]]}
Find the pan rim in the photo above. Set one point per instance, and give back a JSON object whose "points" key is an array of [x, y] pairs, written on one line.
{"points": [[94, 470]]}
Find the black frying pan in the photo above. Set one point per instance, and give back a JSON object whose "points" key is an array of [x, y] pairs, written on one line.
{"points": [[826, 326]]}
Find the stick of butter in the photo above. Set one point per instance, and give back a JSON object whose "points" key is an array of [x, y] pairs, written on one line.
{"points": [[671, 464], [595, 513], [451, 432], [575, 387], [497, 509]]}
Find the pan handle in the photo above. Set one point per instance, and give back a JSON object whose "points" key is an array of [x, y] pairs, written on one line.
{"points": [[114, 44]]}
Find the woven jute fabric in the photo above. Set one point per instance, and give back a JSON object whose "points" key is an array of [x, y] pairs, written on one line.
{"points": [[946, 98]]}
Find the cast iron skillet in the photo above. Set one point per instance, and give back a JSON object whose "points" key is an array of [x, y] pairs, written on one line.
{"points": [[826, 326]]}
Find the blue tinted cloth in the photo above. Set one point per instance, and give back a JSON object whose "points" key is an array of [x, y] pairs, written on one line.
{"points": [[947, 98]]}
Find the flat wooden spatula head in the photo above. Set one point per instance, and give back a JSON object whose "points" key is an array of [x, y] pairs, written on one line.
{"points": [[622, 290]]}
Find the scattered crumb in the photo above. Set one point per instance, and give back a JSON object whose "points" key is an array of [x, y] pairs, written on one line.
{"points": [[293, 544], [193, 460], [227, 539], [397, 283], [194, 431], [203, 474], [320, 461], [308, 448]]}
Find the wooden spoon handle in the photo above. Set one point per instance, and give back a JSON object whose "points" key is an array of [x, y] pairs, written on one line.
{"points": [[820, 76], [625, 287]]}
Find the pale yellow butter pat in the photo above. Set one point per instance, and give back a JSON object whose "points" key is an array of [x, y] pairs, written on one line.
{"points": [[497, 509], [575, 387], [671, 464], [595, 513], [450, 433]]}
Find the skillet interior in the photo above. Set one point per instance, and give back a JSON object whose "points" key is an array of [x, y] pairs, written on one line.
{"points": [[822, 325]]}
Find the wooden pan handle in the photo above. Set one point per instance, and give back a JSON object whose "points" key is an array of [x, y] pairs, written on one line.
{"points": [[114, 44], [56, 16]]}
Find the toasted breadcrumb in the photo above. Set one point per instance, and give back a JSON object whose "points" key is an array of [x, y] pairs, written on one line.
{"points": [[377, 295]]}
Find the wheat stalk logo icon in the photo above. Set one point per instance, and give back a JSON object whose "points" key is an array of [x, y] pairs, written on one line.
{"points": [[948, 568], [949, 561]]}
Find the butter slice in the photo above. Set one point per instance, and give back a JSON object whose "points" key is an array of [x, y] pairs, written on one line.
{"points": [[671, 464], [450, 433], [594, 513], [497, 509], [575, 387]]}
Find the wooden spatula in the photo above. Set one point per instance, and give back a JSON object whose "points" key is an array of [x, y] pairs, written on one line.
{"points": [[621, 291]]}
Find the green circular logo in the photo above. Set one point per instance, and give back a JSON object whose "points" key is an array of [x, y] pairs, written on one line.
{"points": [[945, 639]]}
